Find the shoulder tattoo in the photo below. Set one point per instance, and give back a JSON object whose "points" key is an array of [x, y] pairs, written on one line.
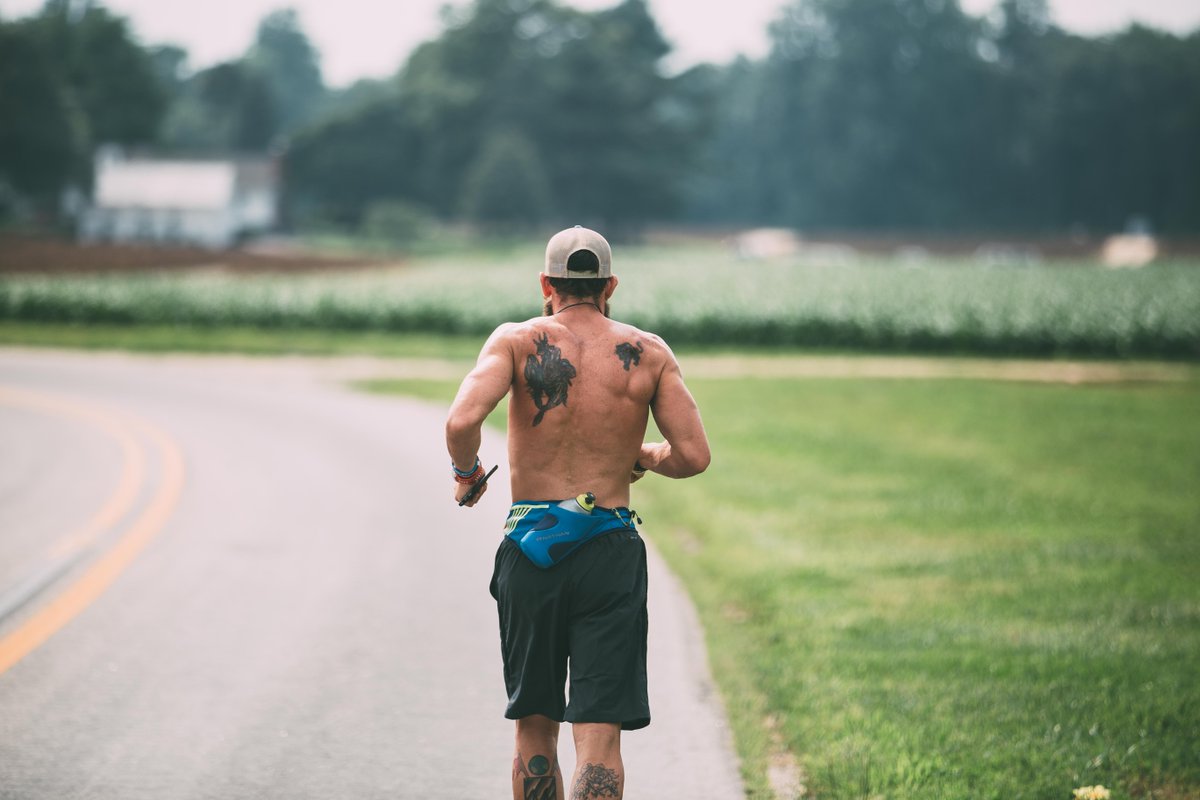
{"points": [[548, 376], [630, 354]]}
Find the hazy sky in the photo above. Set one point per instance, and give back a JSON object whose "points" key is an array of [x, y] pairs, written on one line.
{"points": [[371, 38]]}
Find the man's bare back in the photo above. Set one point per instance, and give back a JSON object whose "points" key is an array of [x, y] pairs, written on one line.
{"points": [[581, 394], [582, 389]]}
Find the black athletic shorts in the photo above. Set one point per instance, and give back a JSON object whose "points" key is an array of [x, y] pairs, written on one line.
{"points": [[590, 611]]}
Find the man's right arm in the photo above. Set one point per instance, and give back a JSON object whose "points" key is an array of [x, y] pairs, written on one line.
{"points": [[685, 452], [480, 392]]}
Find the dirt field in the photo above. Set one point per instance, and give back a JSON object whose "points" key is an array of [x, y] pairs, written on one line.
{"points": [[23, 254], [41, 254]]}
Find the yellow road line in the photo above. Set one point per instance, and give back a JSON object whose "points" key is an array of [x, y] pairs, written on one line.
{"points": [[133, 463], [133, 476], [99, 576]]}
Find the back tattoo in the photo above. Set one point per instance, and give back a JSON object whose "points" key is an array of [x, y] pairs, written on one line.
{"points": [[549, 375], [630, 354]]}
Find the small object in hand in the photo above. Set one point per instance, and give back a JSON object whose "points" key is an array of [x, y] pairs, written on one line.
{"points": [[477, 487]]}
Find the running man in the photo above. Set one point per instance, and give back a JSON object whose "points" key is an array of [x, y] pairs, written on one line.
{"points": [[570, 580]]}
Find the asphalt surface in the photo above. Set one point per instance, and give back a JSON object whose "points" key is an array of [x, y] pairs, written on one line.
{"points": [[236, 578]]}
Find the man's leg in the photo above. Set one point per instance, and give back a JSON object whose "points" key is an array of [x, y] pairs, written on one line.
{"points": [[535, 773], [599, 772]]}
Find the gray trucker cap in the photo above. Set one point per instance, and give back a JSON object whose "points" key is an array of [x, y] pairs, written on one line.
{"points": [[565, 244]]}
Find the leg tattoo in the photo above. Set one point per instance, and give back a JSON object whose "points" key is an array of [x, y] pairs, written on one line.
{"points": [[539, 778], [542, 788], [595, 781]]}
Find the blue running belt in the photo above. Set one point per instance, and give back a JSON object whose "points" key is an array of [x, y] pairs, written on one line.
{"points": [[548, 533]]}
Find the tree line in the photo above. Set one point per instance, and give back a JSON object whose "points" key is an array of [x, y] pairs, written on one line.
{"points": [[866, 115], [910, 114]]}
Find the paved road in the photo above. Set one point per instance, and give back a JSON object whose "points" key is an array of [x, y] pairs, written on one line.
{"points": [[228, 578]]}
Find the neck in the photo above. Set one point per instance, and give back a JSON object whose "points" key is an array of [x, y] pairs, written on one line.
{"points": [[553, 305], [578, 304]]}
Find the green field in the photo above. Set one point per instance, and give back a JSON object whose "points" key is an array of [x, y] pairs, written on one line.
{"points": [[947, 588], [691, 295]]}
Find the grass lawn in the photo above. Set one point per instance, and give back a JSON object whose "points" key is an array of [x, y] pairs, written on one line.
{"points": [[946, 588]]}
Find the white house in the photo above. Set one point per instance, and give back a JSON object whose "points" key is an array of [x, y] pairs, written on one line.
{"points": [[210, 202]]}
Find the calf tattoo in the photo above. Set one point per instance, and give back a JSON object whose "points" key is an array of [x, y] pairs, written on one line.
{"points": [[596, 781], [542, 783], [542, 788], [630, 354], [549, 375]]}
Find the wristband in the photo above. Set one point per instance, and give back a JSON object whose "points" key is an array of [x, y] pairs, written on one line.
{"points": [[469, 479], [638, 468], [460, 474]]}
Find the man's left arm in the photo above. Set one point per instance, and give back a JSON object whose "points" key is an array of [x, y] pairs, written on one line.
{"points": [[478, 395]]}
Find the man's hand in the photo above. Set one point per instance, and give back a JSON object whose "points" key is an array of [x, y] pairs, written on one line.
{"points": [[471, 487], [651, 455], [461, 489]]}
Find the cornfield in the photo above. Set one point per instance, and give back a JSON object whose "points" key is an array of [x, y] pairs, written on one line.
{"points": [[691, 297]]}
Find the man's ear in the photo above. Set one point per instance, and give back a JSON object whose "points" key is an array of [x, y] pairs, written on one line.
{"points": [[611, 287], [547, 289]]}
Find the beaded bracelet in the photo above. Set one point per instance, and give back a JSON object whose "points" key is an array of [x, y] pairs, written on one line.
{"points": [[470, 478]]}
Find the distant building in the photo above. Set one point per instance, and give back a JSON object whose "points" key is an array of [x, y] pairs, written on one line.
{"points": [[1129, 250], [206, 202]]}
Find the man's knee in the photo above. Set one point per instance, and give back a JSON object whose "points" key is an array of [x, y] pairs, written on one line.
{"points": [[537, 726], [597, 736]]}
